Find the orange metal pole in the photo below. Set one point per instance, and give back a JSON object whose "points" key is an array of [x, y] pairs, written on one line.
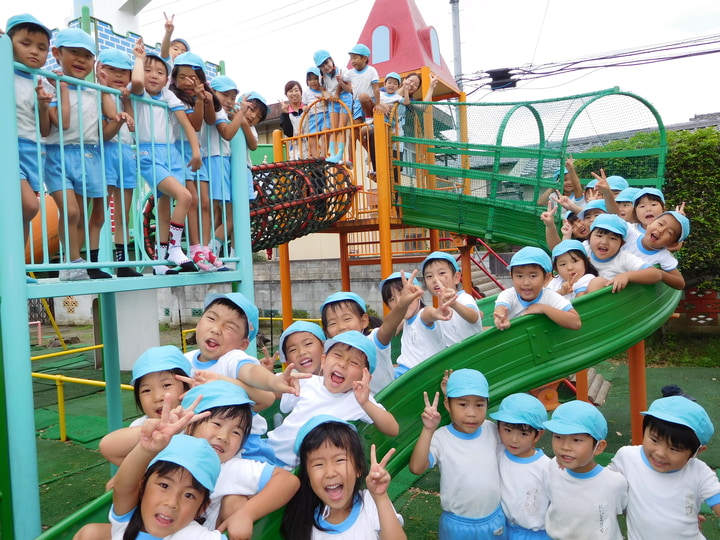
{"points": [[344, 262], [581, 385], [465, 267], [385, 196], [638, 389], [283, 250]]}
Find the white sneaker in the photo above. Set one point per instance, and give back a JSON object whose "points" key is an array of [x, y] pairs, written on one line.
{"points": [[75, 274], [163, 270]]}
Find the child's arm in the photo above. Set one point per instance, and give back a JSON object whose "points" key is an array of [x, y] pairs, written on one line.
{"points": [[167, 37], [250, 139], [383, 420], [64, 103], [405, 95], [466, 312], [382, 107], [644, 276], [114, 120], [603, 187], [259, 377], [548, 218], [377, 482], [262, 398], [430, 314], [577, 186], [137, 78], [500, 316], [567, 319], [408, 295], [277, 492], [673, 279], [198, 115], [43, 109], [228, 130], [116, 445], [195, 162], [419, 461]]}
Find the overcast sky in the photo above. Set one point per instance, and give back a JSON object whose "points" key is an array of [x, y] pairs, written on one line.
{"points": [[264, 44]]}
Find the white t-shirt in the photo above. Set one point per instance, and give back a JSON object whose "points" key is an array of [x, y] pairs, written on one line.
{"points": [[211, 143], [362, 81], [314, 399], [585, 505], [25, 97], [363, 522], [517, 306], [419, 341], [457, 328], [390, 99], [238, 476], [193, 531], [151, 120], [522, 486], [622, 261], [580, 286], [665, 505], [469, 477], [331, 83], [384, 372], [90, 109], [663, 257]]}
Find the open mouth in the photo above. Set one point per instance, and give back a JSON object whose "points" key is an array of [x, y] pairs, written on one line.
{"points": [[163, 520], [334, 492], [305, 362], [337, 377]]}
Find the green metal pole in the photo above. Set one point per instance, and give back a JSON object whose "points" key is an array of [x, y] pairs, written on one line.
{"points": [[24, 498], [111, 359]]}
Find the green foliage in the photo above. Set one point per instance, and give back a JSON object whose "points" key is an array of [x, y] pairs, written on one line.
{"points": [[300, 314], [626, 166]]}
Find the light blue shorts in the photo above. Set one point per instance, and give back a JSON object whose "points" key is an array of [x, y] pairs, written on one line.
{"points": [[515, 532], [454, 527], [316, 122], [181, 156], [155, 164], [29, 165], [112, 166], [218, 172], [347, 99], [357, 111], [76, 163]]}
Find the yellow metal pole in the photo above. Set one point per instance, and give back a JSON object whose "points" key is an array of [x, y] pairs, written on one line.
{"points": [[66, 352], [61, 409], [54, 323]]}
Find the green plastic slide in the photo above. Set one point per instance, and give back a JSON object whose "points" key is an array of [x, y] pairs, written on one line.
{"points": [[532, 352]]}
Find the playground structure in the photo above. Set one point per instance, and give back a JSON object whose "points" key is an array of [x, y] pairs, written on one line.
{"points": [[470, 169]]}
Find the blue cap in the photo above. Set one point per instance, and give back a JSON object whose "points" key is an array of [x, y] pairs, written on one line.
{"points": [[565, 246], [218, 393], [250, 309], [300, 326], [393, 75], [521, 409], [617, 183], [320, 57], [649, 191], [185, 43], [397, 275], [168, 65], [683, 221], [597, 204], [314, 70], [74, 37], [467, 382], [591, 184], [362, 50], [194, 454], [26, 18], [157, 359], [627, 195], [255, 95], [681, 410], [556, 174], [578, 417], [358, 341], [341, 296], [314, 422], [611, 222], [189, 59], [531, 255], [116, 59], [222, 83], [435, 255]]}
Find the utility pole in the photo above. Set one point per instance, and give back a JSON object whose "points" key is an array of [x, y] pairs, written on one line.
{"points": [[457, 55]]}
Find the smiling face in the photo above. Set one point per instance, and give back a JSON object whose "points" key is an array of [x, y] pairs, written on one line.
{"points": [[413, 83], [226, 99], [156, 75], [577, 451], [358, 61], [116, 78], [152, 389], [177, 48], [569, 265], [647, 209], [662, 232], [605, 244], [467, 412], [626, 211], [333, 476], [74, 61], [590, 216], [340, 317], [225, 435], [580, 231], [439, 275], [327, 66], [519, 442], [313, 82], [186, 79], [304, 350], [342, 365], [528, 280], [220, 330], [662, 455], [30, 48], [394, 298], [170, 502], [294, 96], [391, 85]]}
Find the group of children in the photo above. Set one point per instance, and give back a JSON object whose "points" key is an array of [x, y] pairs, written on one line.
{"points": [[201, 460], [160, 119]]}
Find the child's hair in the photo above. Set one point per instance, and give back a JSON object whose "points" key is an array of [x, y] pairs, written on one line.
{"points": [[390, 285], [243, 413], [650, 197], [234, 307], [350, 305], [677, 435], [300, 517], [174, 371], [162, 468], [153, 59], [292, 84], [578, 255], [523, 428], [183, 96], [262, 106], [31, 28]]}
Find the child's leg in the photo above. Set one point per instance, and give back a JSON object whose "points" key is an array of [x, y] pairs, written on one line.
{"points": [[123, 203], [95, 223], [94, 531], [192, 218], [183, 199], [30, 205], [73, 211], [197, 226]]}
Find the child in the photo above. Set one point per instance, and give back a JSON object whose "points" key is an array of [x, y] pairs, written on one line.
{"points": [[115, 71], [574, 269], [31, 43], [393, 92], [316, 114], [330, 502], [226, 429], [585, 498], [442, 277], [616, 266], [625, 201], [335, 85], [523, 468], [170, 48], [421, 337], [74, 171], [365, 83], [571, 188], [156, 160], [343, 389], [466, 452], [528, 269], [649, 203], [664, 233], [667, 482], [302, 344]]}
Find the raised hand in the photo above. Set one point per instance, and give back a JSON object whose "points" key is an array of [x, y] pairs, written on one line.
{"points": [[289, 381], [378, 479], [444, 381], [169, 23], [156, 433], [361, 388], [500, 316], [44, 98], [681, 208], [430, 416], [548, 217], [566, 230]]}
